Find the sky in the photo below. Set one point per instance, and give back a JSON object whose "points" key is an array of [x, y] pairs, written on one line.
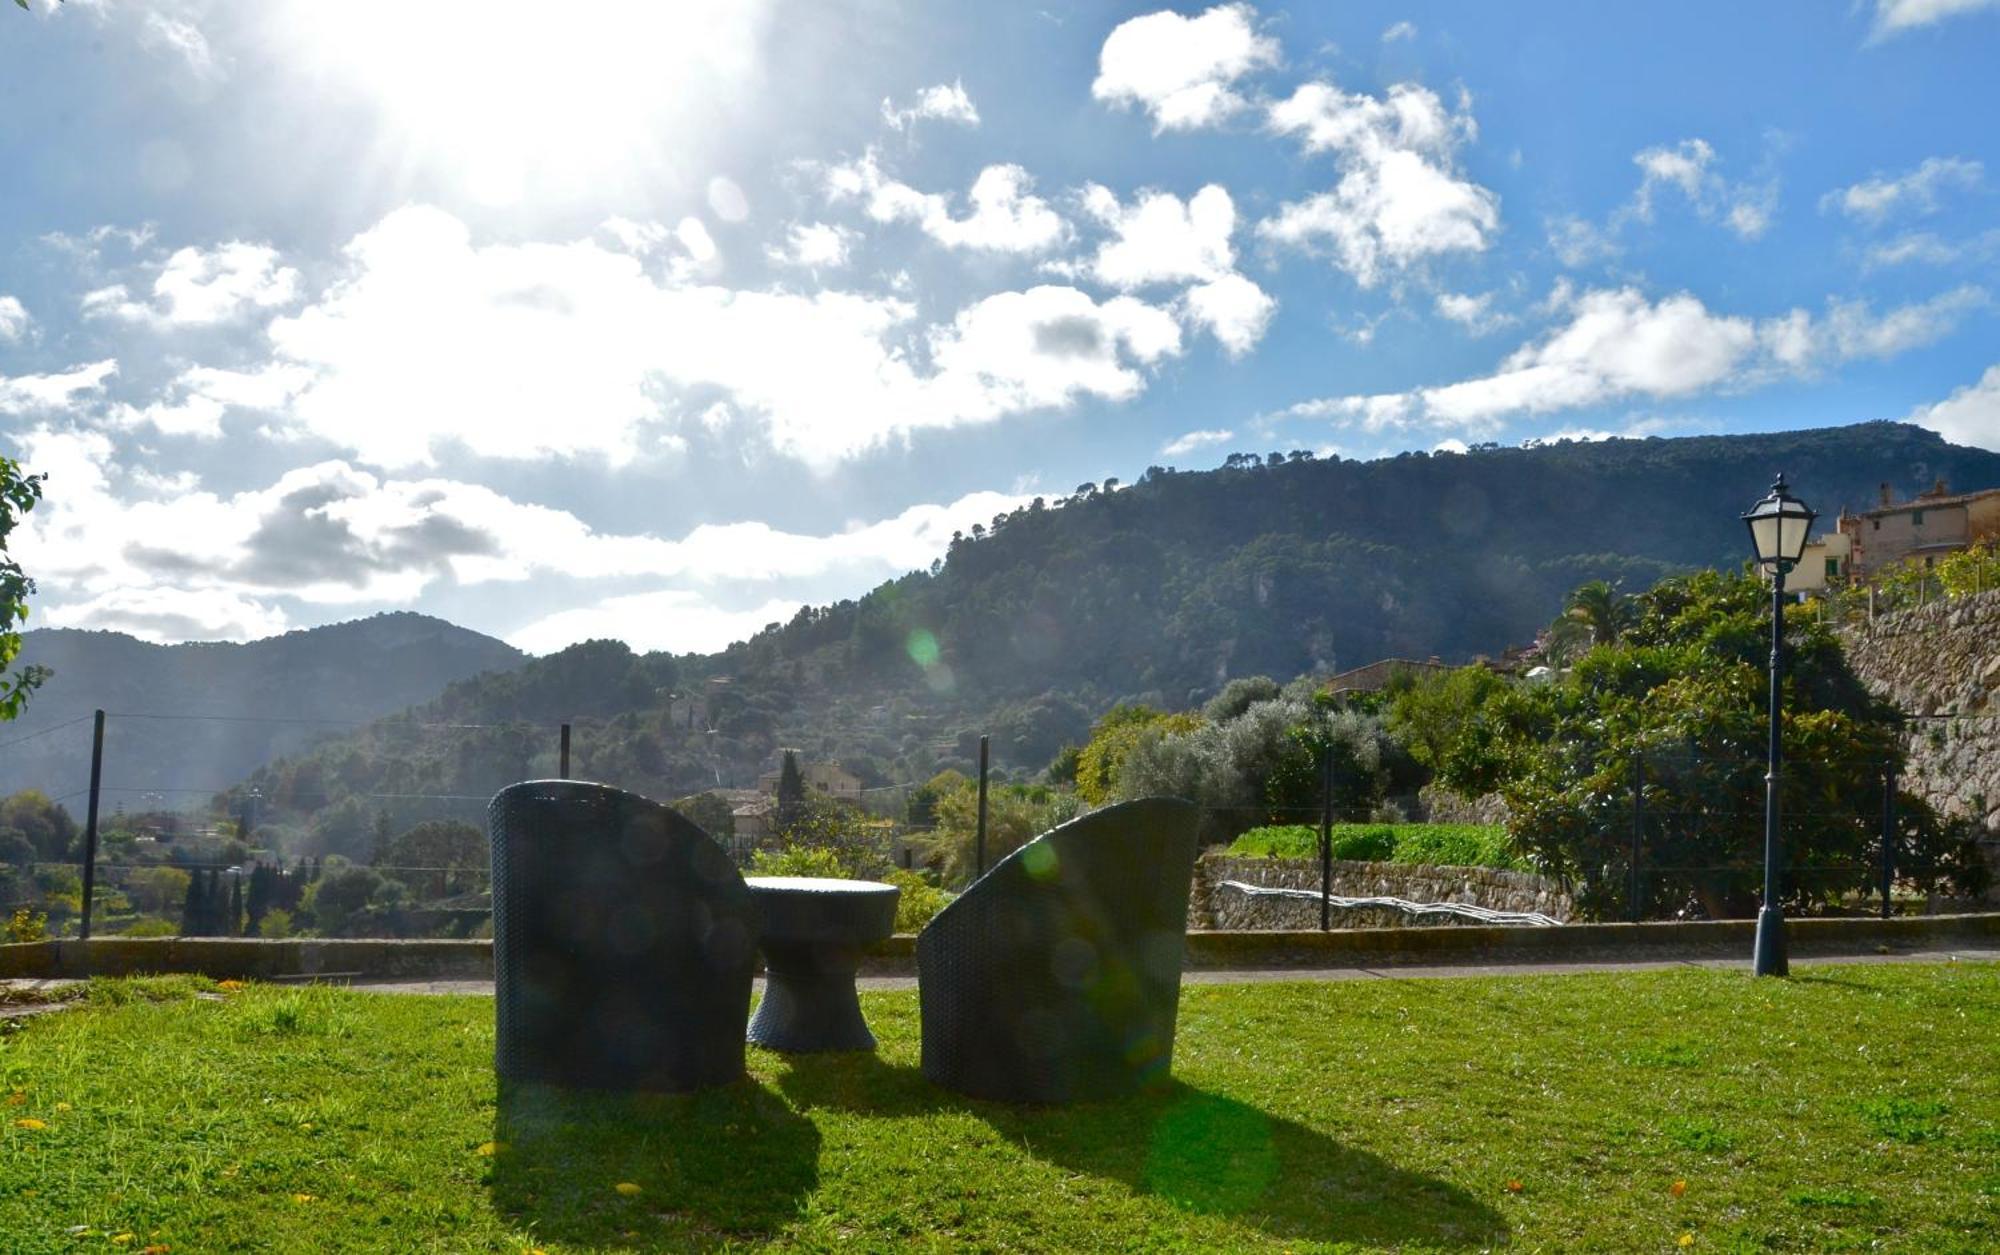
{"points": [[656, 322]]}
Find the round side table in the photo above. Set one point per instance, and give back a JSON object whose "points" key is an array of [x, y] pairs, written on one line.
{"points": [[815, 932]]}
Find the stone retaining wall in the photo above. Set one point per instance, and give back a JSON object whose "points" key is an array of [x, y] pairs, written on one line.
{"points": [[1942, 661], [1211, 906]]}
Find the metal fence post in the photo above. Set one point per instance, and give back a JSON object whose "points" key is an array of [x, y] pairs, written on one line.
{"points": [[90, 825], [1888, 834], [979, 837], [1326, 839], [562, 770]]}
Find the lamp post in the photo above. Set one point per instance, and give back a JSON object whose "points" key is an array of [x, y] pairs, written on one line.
{"points": [[1779, 526]]}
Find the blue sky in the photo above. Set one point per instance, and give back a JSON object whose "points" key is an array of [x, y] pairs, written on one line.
{"points": [[658, 321]]}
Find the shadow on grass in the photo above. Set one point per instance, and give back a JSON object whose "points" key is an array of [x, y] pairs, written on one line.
{"points": [[718, 1164], [1203, 1152]]}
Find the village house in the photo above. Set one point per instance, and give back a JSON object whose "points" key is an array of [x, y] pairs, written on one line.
{"points": [[1921, 530], [840, 785]]}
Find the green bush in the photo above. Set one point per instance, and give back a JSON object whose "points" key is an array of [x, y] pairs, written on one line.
{"points": [[921, 900], [1443, 845], [277, 923], [797, 860], [150, 926]]}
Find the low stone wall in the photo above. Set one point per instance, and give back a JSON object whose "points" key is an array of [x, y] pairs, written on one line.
{"points": [[1304, 950], [1211, 906]]}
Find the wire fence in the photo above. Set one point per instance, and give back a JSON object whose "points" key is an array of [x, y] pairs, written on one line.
{"points": [[353, 848]]}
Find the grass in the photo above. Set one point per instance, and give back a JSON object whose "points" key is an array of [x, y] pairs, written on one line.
{"points": [[1847, 1108], [1440, 845]]}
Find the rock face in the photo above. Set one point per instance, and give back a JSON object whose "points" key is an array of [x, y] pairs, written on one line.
{"points": [[1210, 906], [1942, 662]]}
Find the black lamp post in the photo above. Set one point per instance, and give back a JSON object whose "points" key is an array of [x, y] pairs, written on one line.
{"points": [[1779, 526]]}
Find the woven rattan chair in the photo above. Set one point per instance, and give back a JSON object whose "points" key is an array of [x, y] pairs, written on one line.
{"points": [[1055, 978], [623, 942]]}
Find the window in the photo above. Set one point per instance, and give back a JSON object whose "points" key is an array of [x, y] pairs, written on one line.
{"points": [[1877, 524], [1833, 568], [1916, 518]]}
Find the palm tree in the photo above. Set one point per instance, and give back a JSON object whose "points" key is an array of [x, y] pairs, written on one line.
{"points": [[1601, 608]]}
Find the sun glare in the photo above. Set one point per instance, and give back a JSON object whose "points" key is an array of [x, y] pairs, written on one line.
{"points": [[518, 100]]}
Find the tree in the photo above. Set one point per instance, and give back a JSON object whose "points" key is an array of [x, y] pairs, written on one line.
{"points": [[18, 494], [1680, 700], [46, 824], [1601, 608], [335, 897], [442, 856], [1112, 737], [791, 792]]}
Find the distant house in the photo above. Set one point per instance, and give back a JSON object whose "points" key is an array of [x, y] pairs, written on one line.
{"points": [[1921, 530], [843, 786], [1828, 562], [1371, 678]]}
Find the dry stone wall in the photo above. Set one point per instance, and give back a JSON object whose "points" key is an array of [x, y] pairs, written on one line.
{"points": [[1211, 906], [1942, 662]]}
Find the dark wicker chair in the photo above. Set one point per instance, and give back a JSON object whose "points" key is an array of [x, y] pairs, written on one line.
{"points": [[623, 942], [1055, 978]]}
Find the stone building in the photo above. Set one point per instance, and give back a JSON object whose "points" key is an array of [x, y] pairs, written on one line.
{"points": [[1922, 529]]}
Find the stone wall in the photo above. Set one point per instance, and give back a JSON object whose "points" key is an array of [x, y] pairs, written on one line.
{"points": [[1942, 661], [1210, 906]]}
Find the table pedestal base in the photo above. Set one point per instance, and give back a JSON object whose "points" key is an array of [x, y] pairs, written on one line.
{"points": [[810, 1004]]}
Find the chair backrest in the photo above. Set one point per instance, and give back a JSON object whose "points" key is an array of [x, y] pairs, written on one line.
{"points": [[624, 942], [1056, 976]]}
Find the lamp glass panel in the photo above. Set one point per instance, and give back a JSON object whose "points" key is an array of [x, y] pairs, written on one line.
{"points": [[1764, 534], [1794, 531]]}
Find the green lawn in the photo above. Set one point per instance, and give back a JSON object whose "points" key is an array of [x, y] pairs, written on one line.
{"points": [[1849, 1108]]}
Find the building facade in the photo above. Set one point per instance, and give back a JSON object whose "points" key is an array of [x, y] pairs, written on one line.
{"points": [[1921, 530]]}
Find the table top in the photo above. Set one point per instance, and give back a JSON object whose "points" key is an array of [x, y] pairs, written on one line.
{"points": [[815, 884]]}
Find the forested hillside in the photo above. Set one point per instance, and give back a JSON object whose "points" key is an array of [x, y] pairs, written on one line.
{"points": [[230, 706], [1161, 590]]}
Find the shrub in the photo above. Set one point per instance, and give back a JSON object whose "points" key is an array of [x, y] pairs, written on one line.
{"points": [[151, 926], [920, 902], [277, 923], [26, 925], [797, 860], [1443, 845]]}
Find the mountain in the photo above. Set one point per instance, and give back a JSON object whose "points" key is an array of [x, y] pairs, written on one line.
{"points": [[256, 701], [1159, 591]]}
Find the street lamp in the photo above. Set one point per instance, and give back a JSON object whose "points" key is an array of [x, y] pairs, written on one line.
{"points": [[1779, 527]]}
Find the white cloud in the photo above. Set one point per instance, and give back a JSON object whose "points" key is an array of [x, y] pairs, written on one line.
{"points": [[1577, 243], [1969, 416], [121, 546], [1399, 199], [1851, 329], [28, 394], [1005, 216], [202, 288], [1618, 345], [1161, 239], [671, 619], [1475, 313], [1401, 30], [944, 102], [1895, 16], [574, 350], [814, 245], [177, 37], [1875, 200], [1689, 168], [14, 319], [1928, 248], [1183, 70], [1193, 440], [1235, 310]]}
